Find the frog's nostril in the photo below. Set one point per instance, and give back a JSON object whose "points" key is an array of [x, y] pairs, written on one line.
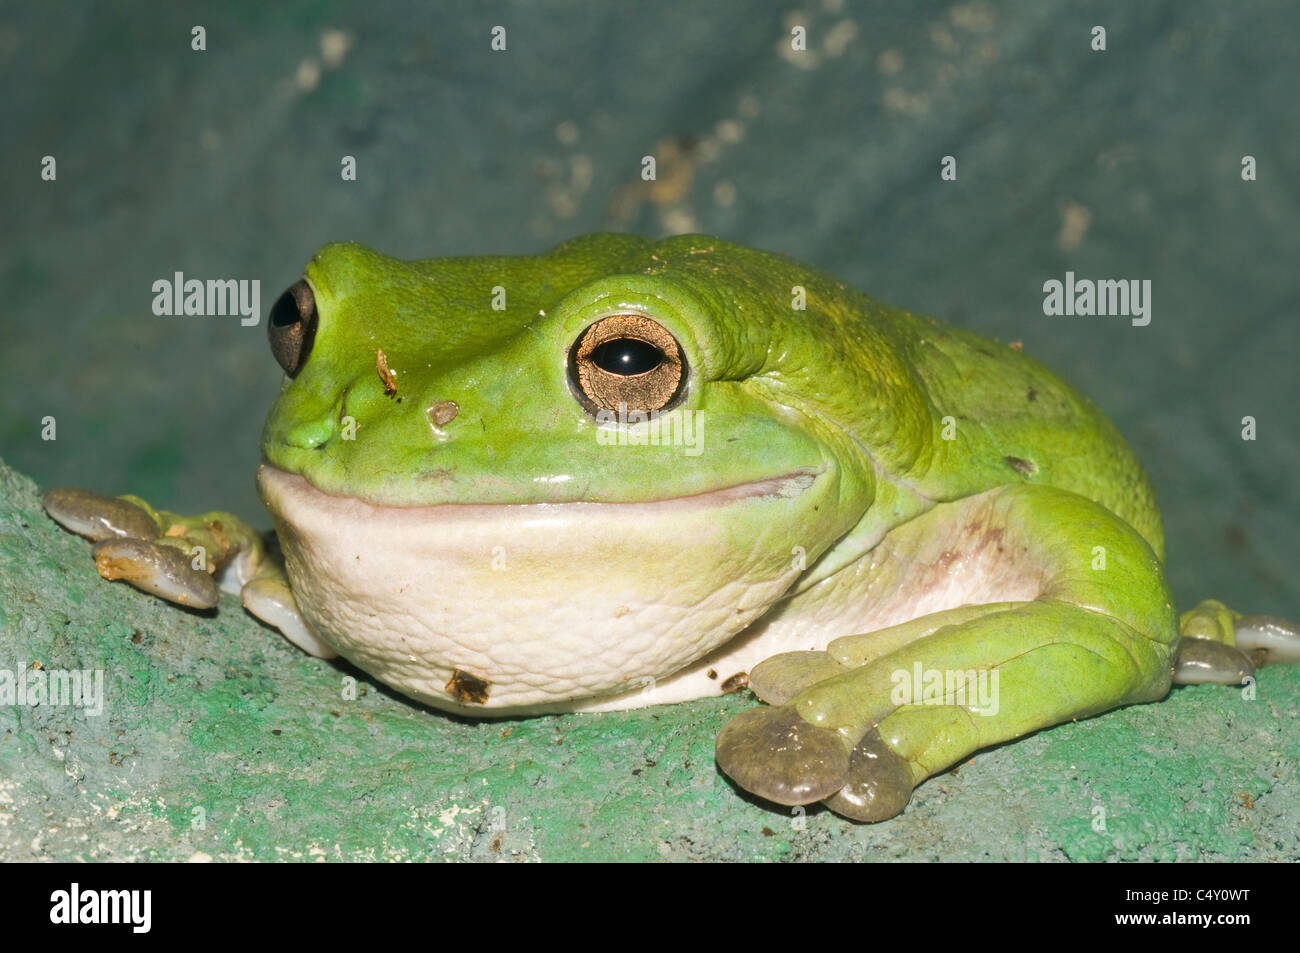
{"points": [[311, 434], [292, 327]]}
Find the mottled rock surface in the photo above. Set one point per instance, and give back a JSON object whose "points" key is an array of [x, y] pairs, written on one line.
{"points": [[219, 739]]}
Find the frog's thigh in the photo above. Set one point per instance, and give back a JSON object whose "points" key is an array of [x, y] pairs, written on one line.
{"points": [[855, 650], [779, 678], [1093, 639]]}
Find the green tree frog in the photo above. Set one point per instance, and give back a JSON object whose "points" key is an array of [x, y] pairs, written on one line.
{"points": [[622, 472]]}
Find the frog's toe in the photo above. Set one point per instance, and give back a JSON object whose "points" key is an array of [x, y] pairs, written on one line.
{"points": [[98, 517], [775, 754], [779, 678], [270, 599], [1268, 639], [1202, 661], [163, 571], [879, 785]]}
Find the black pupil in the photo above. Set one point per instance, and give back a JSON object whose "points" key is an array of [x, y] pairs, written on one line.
{"points": [[626, 356], [285, 312]]}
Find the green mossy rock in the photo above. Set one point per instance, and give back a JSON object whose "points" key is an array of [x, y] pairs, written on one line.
{"points": [[220, 740]]}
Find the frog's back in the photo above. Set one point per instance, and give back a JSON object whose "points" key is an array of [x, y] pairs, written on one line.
{"points": [[945, 412], [1017, 421]]}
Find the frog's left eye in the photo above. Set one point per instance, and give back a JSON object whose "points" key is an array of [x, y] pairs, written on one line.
{"points": [[292, 327], [627, 359]]}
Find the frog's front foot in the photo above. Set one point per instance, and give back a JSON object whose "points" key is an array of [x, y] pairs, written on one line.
{"points": [[131, 545], [1223, 647], [185, 560], [163, 571]]}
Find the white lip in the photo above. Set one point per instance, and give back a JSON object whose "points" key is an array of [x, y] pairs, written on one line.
{"points": [[557, 606]]}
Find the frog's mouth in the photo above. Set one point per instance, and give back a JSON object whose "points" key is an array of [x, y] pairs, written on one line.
{"points": [[513, 608]]}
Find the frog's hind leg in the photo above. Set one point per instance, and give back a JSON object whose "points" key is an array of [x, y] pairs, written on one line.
{"points": [[1223, 647], [1093, 638], [779, 678], [185, 560]]}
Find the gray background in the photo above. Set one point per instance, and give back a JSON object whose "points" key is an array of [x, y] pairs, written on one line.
{"points": [[226, 164]]}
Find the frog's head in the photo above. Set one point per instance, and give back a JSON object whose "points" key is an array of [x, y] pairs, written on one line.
{"points": [[510, 484]]}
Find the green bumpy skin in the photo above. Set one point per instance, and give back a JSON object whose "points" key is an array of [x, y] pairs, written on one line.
{"points": [[895, 511], [847, 381]]}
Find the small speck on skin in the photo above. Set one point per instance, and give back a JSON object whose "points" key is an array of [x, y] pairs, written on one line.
{"points": [[468, 688], [387, 377], [735, 683], [1023, 467]]}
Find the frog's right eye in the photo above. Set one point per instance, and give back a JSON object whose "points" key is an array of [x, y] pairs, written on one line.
{"points": [[630, 360], [292, 327]]}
